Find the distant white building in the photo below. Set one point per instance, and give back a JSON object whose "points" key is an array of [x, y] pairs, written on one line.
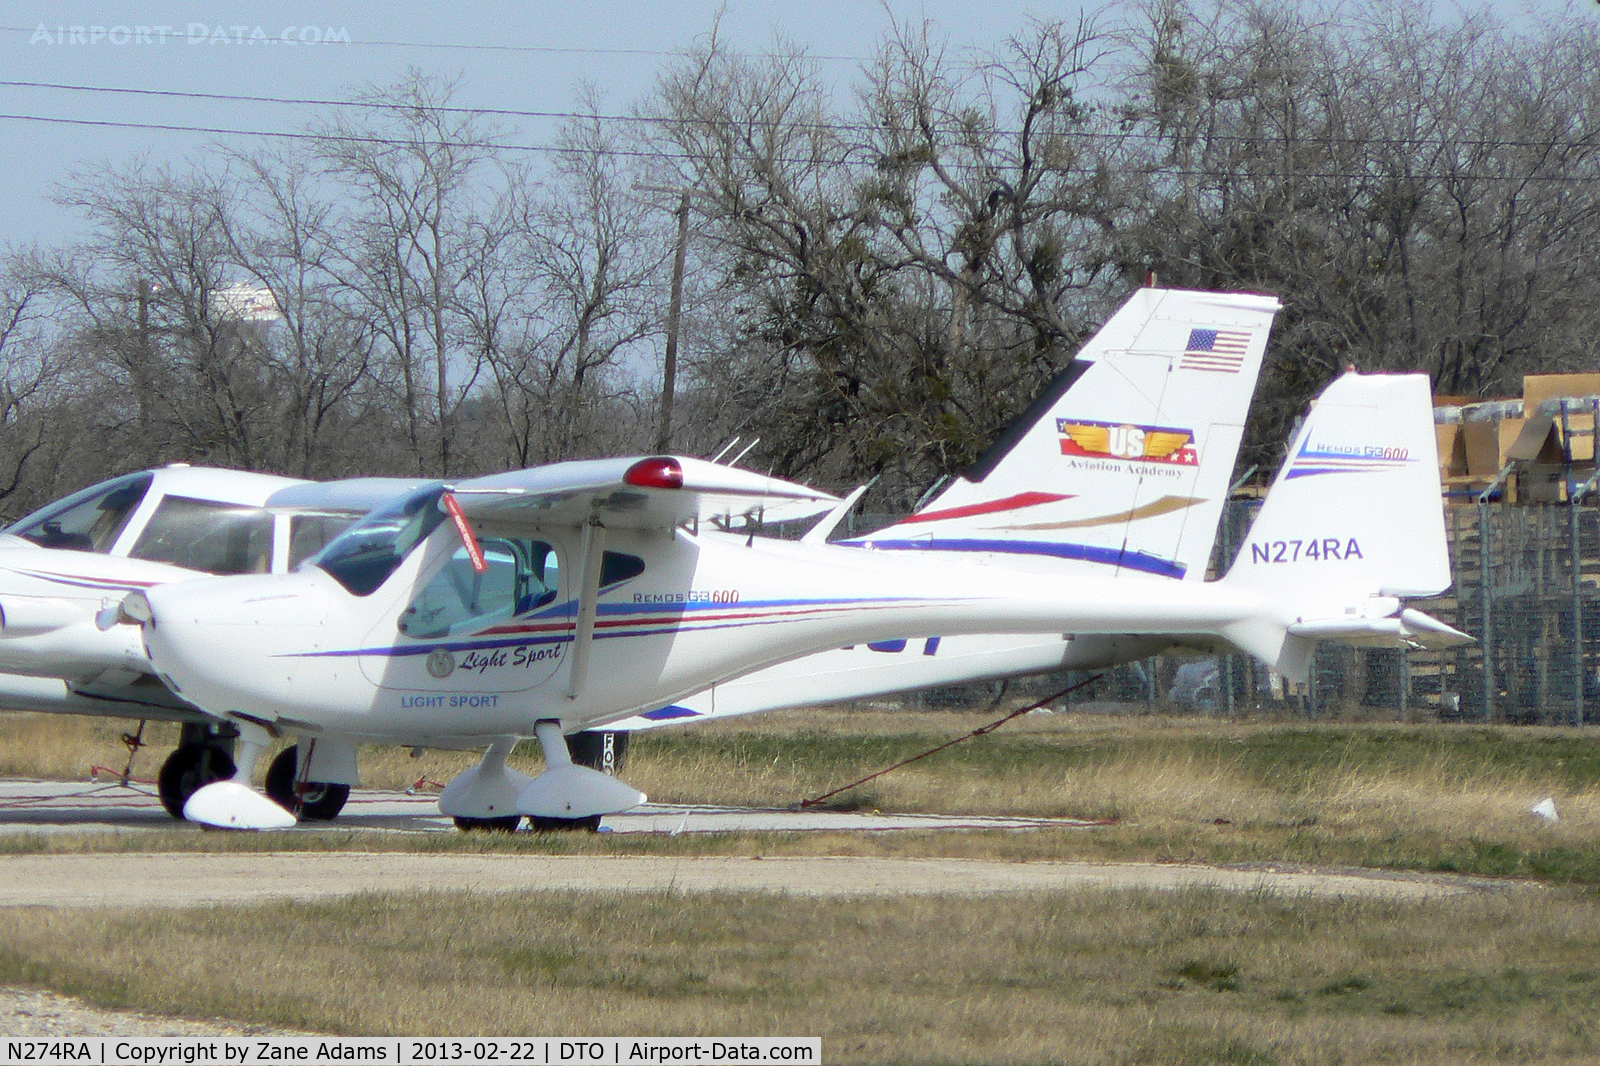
{"points": [[244, 302]]}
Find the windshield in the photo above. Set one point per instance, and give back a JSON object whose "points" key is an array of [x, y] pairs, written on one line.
{"points": [[363, 556], [87, 521], [218, 538]]}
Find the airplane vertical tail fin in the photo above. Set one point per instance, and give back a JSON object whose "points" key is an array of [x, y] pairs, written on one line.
{"points": [[1122, 465], [1354, 521]]}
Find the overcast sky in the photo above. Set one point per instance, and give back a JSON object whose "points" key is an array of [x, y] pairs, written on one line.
{"points": [[526, 56]]}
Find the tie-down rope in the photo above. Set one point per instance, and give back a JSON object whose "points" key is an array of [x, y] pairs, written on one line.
{"points": [[980, 731]]}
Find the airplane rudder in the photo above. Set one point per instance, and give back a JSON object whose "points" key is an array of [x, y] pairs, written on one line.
{"points": [[1356, 504]]}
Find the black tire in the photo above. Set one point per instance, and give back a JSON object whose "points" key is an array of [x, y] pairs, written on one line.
{"points": [[588, 748], [565, 825], [314, 801], [188, 770], [489, 825]]}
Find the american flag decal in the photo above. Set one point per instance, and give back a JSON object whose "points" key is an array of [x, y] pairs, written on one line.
{"points": [[1220, 350]]}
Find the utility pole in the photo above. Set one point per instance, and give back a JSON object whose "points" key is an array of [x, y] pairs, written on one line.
{"points": [[140, 369], [669, 363]]}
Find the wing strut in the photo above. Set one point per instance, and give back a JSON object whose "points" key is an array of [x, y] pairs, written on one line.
{"points": [[593, 551]]}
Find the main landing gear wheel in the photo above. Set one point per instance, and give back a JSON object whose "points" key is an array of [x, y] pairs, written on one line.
{"points": [[489, 825], [314, 801], [565, 825], [189, 769]]}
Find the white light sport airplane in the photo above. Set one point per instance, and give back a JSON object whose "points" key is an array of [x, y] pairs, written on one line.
{"points": [[1136, 439], [63, 567], [570, 596]]}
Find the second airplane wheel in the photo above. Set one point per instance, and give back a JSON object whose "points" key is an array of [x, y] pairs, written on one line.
{"points": [[489, 825], [314, 801], [188, 770], [600, 749]]}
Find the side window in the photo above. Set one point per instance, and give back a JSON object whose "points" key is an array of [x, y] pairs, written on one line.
{"points": [[522, 575], [216, 538], [619, 566], [87, 521], [544, 578], [310, 533]]}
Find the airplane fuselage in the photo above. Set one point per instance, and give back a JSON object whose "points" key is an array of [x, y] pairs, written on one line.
{"points": [[306, 655]]}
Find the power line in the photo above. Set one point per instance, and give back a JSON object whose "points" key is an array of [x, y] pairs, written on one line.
{"points": [[446, 46], [680, 156], [301, 135], [309, 101], [831, 127]]}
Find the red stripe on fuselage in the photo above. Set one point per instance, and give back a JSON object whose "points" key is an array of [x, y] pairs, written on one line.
{"points": [[1010, 503]]}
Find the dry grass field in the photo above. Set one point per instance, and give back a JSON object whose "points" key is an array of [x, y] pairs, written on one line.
{"points": [[1086, 977], [1093, 977], [1421, 797]]}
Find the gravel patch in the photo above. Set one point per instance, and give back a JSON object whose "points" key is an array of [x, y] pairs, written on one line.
{"points": [[35, 1014]]}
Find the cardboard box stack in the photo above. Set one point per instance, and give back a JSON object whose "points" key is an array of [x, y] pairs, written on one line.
{"points": [[1480, 438]]}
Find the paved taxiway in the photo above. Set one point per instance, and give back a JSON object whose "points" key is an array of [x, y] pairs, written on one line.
{"points": [[193, 878], [66, 806]]}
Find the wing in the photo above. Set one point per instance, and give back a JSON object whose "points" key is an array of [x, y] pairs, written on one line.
{"points": [[656, 492], [349, 495]]}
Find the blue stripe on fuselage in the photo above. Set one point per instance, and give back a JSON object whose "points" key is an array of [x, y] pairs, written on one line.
{"points": [[1149, 564], [641, 629]]}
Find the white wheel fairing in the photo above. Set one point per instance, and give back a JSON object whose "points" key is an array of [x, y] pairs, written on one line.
{"points": [[234, 805]]}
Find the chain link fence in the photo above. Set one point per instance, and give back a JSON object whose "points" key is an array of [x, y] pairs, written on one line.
{"points": [[1527, 586]]}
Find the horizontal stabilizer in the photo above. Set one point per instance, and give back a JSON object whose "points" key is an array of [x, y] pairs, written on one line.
{"points": [[1409, 629]]}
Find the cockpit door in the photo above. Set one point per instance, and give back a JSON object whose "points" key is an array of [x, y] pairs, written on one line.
{"points": [[502, 630]]}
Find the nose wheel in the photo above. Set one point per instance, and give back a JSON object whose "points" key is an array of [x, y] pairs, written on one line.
{"points": [[313, 801], [187, 770]]}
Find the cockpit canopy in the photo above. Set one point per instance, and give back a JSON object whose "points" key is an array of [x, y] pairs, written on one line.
{"points": [[174, 516]]}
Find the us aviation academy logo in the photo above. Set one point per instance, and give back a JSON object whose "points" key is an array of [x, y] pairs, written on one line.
{"points": [[1113, 440]]}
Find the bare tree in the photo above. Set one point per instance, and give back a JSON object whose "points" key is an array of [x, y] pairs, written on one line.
{"points": [[909, 272], [148, 289], [320, 351], [1418, 190], [586, 267], [31, 375], [411, 162]]}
